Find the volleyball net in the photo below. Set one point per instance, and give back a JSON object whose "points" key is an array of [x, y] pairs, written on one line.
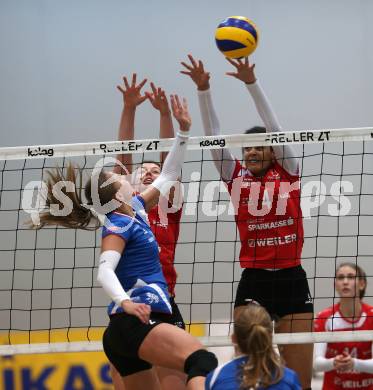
{"points": [[50, 300]]}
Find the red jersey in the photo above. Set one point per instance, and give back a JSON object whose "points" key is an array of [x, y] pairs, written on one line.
{"points": [[331, 319], [167, 235], [268, 216]]}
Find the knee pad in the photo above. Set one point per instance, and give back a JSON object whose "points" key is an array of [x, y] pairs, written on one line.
{"points": [[200, 363]]}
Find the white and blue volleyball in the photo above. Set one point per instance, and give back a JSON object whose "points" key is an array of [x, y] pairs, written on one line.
{"points": [[236, 37]]}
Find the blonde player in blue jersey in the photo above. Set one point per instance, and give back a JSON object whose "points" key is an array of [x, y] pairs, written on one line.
{"points": [[164, 220], [257, 365], [138, 335]]}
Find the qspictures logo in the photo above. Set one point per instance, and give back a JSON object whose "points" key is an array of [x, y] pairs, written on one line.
{"points": [[260, 200]]}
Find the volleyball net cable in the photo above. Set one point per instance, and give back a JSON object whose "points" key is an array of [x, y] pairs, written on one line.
{"points": [[50, 300]]}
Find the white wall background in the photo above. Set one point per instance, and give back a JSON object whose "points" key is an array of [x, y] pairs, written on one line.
{"points": [[60, 62]]}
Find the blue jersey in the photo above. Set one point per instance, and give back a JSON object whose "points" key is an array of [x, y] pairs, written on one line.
{"points": [[227, 377], [139, 269]]}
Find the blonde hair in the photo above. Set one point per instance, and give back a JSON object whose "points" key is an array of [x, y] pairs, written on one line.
{"points": [[253, 332], [81, 214]]}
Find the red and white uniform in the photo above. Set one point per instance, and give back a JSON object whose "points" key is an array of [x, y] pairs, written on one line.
{"points": [[331, 319], [269, 217], [167, 236]]}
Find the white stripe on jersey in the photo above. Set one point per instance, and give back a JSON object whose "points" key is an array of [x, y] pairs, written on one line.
{"points": [[337, 322], [161, 294], [218, 370]]}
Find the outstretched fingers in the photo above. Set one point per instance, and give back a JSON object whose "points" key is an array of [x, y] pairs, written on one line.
{"points": [[232, 62], [196, 71], [174, 103], [133, 85], [187, 66], [193, 61], [177, 104], [154, 88], [126, 84], [134, 77], [180, 112], [143, 82]]}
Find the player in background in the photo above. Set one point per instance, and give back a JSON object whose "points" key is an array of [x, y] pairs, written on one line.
{"points": [[257, 365], [347, 365], [265, 191], [164, 221]]}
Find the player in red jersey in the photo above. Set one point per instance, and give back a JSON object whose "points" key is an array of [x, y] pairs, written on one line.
{"points": [[164, 219], [346, 365], [265, 191]]}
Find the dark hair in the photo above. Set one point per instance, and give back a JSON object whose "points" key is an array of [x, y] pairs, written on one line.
{"points": [[253, 331], [81, 215], [360, 274], [255, 129], [151, 162]]}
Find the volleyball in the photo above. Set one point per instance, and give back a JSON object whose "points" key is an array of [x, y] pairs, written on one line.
{"points": [[236, 37]]}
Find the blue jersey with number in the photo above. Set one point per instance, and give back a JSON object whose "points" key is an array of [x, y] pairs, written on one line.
{"points": [[227, 377], [139, 269]]}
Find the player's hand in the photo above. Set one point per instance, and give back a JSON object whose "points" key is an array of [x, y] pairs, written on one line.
{"points": [[180, 112], [158, 99], [132, 93], [344, 363], [197, 73], [244, 70], [140, 310]]}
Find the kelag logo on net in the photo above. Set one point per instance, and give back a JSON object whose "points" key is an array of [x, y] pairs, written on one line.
{"points": [[216, 142], [38, 151]]}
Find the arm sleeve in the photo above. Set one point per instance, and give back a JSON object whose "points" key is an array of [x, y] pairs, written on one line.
{"points": [[223, 159], [321, 363], [364, 365], [171, 169], [285, 155], [107, 277]]}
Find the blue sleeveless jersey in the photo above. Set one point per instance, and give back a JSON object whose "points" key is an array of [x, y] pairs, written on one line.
{"points": [[139, 270], [226, 377]]}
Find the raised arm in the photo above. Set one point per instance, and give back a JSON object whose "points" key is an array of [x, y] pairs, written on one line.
{"points": [[171, 169], [159, 101], [223, 159], [131, 99], [285, 155]]}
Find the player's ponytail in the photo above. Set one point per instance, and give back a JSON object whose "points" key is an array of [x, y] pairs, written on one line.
{"points": [[64, 203], [253, 333]]}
